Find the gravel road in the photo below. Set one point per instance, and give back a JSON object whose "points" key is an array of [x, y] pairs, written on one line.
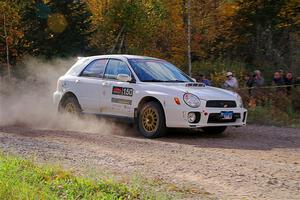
{"points": [[253, 162]]}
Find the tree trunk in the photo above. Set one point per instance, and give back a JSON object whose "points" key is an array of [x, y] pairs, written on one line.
{"points": [[7, 47], [188, 10], [117, 39], [122, 43]]}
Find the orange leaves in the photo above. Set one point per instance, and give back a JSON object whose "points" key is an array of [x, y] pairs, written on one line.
{"points": [[228, 9], [9, 15], [290, 12]]}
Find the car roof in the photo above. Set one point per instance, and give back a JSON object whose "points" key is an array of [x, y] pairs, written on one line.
{"points": [[83, 61], [120, 56]]}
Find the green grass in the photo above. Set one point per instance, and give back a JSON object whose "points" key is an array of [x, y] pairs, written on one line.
{"points": [[267, 115], [22, 179]]}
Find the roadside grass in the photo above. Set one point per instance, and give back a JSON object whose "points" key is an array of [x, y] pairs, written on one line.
{"points": [[267, 115], [274, 108], [23, 179]]}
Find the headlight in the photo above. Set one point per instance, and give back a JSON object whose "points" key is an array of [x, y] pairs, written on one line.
{"points": [[191, 100], [239, 101]]}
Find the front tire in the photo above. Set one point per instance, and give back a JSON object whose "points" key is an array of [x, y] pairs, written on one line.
{"points": [[215, 130], [151, 120]]}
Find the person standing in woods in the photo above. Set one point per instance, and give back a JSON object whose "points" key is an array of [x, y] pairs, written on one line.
{"points": [[279, 81], [258, 79], [231, 82], [289, 81], [201, 78], [249, 82]]}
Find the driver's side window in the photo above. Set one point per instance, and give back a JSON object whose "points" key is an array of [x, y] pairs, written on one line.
{"points": [[115, 67]]}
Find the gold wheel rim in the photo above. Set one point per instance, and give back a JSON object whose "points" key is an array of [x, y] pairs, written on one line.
{"points": [[150, 120], [70, 108]]}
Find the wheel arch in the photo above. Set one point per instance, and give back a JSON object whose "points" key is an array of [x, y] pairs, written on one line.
{"points": [[65, 96], [148, 99]]}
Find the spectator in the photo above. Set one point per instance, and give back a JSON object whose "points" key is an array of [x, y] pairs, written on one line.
{"points": [[249, 82], [258, 79], [202, 79], [231, 83], [297, 81], [278, 79], [289, 81], [289, 78]]}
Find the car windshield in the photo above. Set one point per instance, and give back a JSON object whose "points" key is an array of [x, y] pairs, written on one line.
{"points": [[151, 70]]}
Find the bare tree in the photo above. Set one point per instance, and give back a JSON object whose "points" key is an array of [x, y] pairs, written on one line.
{"points": [[188, 10], [7, 46], [120, 34]]}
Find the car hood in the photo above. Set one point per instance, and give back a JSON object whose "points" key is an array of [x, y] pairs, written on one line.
{"points": [[203, 92]]}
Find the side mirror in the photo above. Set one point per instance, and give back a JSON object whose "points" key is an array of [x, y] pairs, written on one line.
{"points": [[124, 77], [194, 79]]}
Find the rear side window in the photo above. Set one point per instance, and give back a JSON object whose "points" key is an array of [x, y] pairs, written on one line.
{"points": [[95, 69], [77, 67], [115, 67]]}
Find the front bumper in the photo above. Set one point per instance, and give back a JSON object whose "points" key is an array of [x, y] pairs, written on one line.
{"points": [[177, 117], [56, 98]]}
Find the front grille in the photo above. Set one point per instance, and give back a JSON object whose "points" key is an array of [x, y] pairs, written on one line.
{"points": [[217, 118], [220, 104]]}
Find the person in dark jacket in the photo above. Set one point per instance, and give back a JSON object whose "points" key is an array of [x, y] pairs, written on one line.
{"points": [[202, 79], [249, 82], [278, 79], [289, 81]]}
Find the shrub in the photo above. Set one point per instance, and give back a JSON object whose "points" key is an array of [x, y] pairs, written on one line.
{"points": [[216, 70], [272, 107]]}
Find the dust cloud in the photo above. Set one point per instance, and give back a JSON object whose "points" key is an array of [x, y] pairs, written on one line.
{"points": [[28, 102]]}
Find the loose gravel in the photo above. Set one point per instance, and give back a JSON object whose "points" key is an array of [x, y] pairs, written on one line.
{"points": [[253, 162]]}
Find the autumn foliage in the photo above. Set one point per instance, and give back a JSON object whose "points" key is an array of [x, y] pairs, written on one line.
{"points": [[246, 34]]}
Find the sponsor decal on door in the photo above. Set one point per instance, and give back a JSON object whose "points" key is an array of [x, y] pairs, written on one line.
{"points": [[124, 91], [121, 101]]}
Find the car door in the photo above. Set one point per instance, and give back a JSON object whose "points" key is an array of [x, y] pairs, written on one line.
{"points": [[118, 95], [89, 86]]}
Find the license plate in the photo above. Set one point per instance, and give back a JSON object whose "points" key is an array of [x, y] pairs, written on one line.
{"points": [[226, 114]]}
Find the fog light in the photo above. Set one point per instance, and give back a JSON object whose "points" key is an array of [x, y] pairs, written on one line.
{"points": [[192, 117]]}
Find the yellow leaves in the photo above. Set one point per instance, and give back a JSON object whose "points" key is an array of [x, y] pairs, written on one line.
{"points": [[13, 28], [228, 9], [218, 78], [97, 9], [290, 11]]}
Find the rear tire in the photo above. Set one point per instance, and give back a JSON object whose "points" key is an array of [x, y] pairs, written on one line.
{"points": [[70, 106], [151, 120], [215, 130]]}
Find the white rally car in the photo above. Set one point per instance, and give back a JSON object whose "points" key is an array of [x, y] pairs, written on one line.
{"points": [[150, 92]]}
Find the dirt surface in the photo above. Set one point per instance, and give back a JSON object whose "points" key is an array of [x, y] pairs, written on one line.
{"points": [[253, 162]]}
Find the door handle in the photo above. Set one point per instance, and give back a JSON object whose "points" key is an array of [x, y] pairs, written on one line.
{"points": [[106, 84], [77, 81]]}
